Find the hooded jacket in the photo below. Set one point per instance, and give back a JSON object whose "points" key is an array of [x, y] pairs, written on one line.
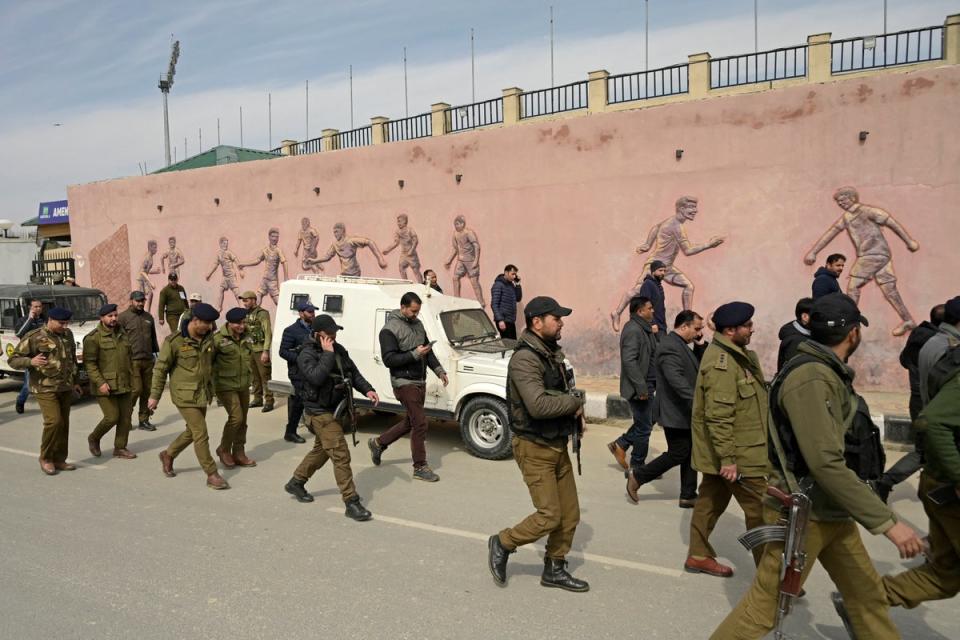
{"points": [[824, 282], [791, 335], [504, 296], [399, 340]]}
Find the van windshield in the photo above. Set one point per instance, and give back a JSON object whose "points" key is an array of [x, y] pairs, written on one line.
{"points": [[84, 307], [466, 325]]}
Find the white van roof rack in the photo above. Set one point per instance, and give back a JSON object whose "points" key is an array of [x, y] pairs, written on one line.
{"points": [[351, 279]]}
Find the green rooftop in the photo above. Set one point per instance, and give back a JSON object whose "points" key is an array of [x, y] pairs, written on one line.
{"points": [[223, 154]]}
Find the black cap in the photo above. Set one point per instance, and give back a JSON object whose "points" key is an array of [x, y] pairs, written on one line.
{"points": [[237, 314], [325, 323], [60, 314], [835, 314], [306, 306], [656, 264], [173, 276], [137, 295], [107, 308], [542, 305], [205, 312], [952, 307], [732, 314]]}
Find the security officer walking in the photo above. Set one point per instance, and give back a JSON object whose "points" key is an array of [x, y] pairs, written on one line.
{"points": [[260, 336], [326, 376], [543, 415], [172, 302], [142, 334], [188, 360], [106, 356], [50, 355], [729, 434], [818, 416], [231, 382], [294, 336]]}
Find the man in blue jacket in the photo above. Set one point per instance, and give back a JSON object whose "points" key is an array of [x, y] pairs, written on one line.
{"points": [[293, 337], [504, 296], [652, 288], [825, 280]]}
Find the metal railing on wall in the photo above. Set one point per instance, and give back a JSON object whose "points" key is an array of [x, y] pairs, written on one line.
{"points": [[568, 97], [51, 270], [642, 85], [359, 137], [410, 128], [889, 50], [776, 64], [471, 116]]}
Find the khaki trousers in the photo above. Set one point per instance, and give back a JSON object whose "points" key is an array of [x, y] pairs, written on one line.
{"points": [[142, 379], [261, 376], [116, 411], [714, 496], [838, 547], [235, 429], [173, 322], [549, 477], [55, 407], [329, 444], [196, 432], [939, 578]]}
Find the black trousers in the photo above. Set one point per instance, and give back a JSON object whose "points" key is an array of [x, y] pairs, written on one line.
{"points": [[510, 331], [294, 413], [679, 448]]}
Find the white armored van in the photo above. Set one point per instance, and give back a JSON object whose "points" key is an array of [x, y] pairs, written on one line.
{"points": [[467, 345]]}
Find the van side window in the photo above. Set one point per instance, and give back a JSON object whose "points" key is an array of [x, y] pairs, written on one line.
{"points": [[333, 304], [298, 298], [8, 314]]}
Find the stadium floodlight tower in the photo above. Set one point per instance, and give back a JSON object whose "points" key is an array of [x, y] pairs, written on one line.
{"points": [[165, 84]]}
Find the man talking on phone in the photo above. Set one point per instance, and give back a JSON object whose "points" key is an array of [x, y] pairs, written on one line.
{"points": [[407, 352]]}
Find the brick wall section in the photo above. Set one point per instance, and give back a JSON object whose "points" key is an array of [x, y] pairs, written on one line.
{"points": [[110, 266]]}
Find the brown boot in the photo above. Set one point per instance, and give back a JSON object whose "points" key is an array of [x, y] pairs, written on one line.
{"points": [[65, 466], [226, 459], [216, 481], [619, 454], [708, 566], [94, 446], [47, 467], [167, 461], [241, 458], [124, 453], [632, 486]]}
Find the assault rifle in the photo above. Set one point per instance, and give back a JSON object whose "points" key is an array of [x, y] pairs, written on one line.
{"points": [[580, 428], [346, 412]]}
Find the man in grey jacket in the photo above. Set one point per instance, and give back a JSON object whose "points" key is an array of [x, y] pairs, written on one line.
{"points": [[676, 367], [407, 352], [934, 349], [637, 382]]}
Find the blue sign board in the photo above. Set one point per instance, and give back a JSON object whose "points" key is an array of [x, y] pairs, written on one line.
{"points": [[53, 212]]}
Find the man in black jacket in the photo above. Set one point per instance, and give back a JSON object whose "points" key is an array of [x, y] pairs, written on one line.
{"points": [[825, 280], [793, 334], [34, 320], [294, 336], [638, 382], [407, 352], [504, 296], [652, 288], [676, 365], [326, 375]]}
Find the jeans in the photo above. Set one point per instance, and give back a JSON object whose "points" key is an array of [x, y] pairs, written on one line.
{"points": [[294, 413], [638, 435], [24, 390], [905, 466], [412, 397], [679, 446]]}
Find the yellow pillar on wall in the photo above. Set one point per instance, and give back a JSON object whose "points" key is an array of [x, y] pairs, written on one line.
{"points": [[378, 129], [511, 105], [288, 147], [951, 39], [597, 91], [438, 112], [327, 144], [819, 57], [698, 76]]}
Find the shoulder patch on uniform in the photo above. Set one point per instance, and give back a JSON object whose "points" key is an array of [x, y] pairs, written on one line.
{"points": [[721, 362]]}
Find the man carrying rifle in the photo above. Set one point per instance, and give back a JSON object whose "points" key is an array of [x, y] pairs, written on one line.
{"points": [[823, 445], [326, 376], [544, 413]]}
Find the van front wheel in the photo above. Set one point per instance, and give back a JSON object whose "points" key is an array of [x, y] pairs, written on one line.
{"points": [[485, 428]]}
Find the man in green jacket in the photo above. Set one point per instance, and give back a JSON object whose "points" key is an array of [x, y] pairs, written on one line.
{"points": [[106, 355], [142, 334], [231, 381], [188, 359], [818, 405], [260, 335], [729, 423], [171, 302]]}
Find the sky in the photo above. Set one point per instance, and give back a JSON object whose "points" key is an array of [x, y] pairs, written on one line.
{"points": [[80, 102]]}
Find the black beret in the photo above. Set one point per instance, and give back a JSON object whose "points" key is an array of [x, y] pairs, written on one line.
{"points": [[325, 323], [542, 305], [205, 312], [236, 314], [137, 295], [107, 308], [835, 314], [60, 314], [732, 314]]}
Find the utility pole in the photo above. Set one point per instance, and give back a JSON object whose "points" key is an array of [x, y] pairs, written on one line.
{"points": [[646, 35], [473, 71], [306, 96], [241, 126], [186, 154], [406, 99], [269, 122], [756, 39], [200, 131], [552, 83], [884, 19], [165, 85], [218, 132], [351, 97]]}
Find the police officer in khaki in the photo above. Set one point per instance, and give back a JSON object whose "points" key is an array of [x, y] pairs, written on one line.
{"points": [[815, 403], [171, 303], [544, 414], [231, 382], [142, 334], [325, 370], [260, 336], [188, 360], [106, 356], [729, 434], [51, 358]]}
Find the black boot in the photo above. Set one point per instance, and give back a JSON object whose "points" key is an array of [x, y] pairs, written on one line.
{"points": [[555, 575], [297, 490], [497, 560], [356, 510]]}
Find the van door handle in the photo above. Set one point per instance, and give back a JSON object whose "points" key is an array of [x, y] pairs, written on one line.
{"points": [[376, 359]]}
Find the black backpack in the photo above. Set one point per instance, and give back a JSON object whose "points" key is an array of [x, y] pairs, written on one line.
{"points": [[862, 450]]}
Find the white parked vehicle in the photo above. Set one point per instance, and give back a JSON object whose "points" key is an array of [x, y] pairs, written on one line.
{"points": [[467, 345]]}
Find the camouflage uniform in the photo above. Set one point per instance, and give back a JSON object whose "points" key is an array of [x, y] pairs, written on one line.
{"points": [[260, 336]]}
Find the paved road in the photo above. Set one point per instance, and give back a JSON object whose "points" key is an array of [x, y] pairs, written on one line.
{"points": [[116, 550]]}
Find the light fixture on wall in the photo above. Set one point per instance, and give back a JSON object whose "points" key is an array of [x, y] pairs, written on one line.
{"points": [[863, 136], [216, 201], [159, 207], [269, 196], [459, 177], [679, 153], [870, 43], [316, 190], [400, 183]]}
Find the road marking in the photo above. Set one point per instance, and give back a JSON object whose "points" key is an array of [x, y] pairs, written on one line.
{"points": [[471, 535], [33, 454]]}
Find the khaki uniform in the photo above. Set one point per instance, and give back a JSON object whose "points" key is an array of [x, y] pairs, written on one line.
{"points": [[260, 335], [106, 355], [729, 423], [52, 385], [189, 363], [142, 334], [231, 381], [816, 397], [172, 302]]}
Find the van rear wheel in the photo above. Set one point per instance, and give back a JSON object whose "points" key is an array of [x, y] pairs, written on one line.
{"points": [[485, 428]]}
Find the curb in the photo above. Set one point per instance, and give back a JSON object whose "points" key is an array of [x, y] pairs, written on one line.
{"points": [[894, 429]]}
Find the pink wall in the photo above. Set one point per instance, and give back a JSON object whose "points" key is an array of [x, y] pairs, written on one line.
{"points": [[569, 200]]}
